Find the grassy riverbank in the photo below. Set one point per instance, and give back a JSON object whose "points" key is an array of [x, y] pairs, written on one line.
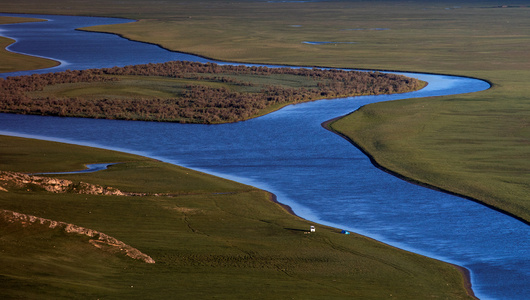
{"points": [[476, 139], [209, 237], [10, 62], [431, 142]]}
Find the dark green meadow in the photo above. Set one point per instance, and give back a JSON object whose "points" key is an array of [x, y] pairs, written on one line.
{"points": [[210, 238]]}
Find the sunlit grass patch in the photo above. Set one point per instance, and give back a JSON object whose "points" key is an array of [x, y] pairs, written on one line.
{"points": [[207, 235]]}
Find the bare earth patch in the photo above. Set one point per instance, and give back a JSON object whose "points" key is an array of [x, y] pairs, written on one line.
{"points": [[20, 181], [99, 239], [23, 181]]}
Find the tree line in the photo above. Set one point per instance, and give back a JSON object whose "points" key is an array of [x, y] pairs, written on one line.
{"points": [[196, 103]]}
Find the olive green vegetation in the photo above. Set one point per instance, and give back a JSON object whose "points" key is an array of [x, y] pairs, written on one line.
{"points": [[210, 237], [470, 38], [10, 62]]}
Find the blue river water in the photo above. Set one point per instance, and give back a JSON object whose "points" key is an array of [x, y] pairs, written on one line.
{"points": [[320, 175]]}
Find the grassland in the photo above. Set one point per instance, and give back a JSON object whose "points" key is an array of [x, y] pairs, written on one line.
{"points": [[209, 237]]}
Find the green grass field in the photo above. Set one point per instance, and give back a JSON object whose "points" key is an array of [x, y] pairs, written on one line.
{"points": [[164, 87], [210, 238], [152, 87]]}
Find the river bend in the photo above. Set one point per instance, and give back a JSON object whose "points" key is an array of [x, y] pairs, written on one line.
{"points": [[320, 175]]}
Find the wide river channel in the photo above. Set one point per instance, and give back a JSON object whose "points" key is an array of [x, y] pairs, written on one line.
{"points": [[319, 174]]}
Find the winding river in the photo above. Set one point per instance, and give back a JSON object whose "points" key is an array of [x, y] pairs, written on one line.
{"points": [[320, 175]]}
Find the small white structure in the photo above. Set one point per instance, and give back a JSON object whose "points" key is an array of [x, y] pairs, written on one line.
{"points": [[312, 229]]}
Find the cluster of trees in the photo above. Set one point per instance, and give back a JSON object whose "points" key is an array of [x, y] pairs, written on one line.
{"points": [[196, 103]]}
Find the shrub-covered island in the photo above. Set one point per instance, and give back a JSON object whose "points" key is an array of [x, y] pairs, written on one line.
{"points": [[187, 92]]}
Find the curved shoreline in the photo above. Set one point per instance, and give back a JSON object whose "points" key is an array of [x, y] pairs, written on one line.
{"points": [[327, 125], [57, 62], [273, 64], [239, 62], [465, 272]]}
